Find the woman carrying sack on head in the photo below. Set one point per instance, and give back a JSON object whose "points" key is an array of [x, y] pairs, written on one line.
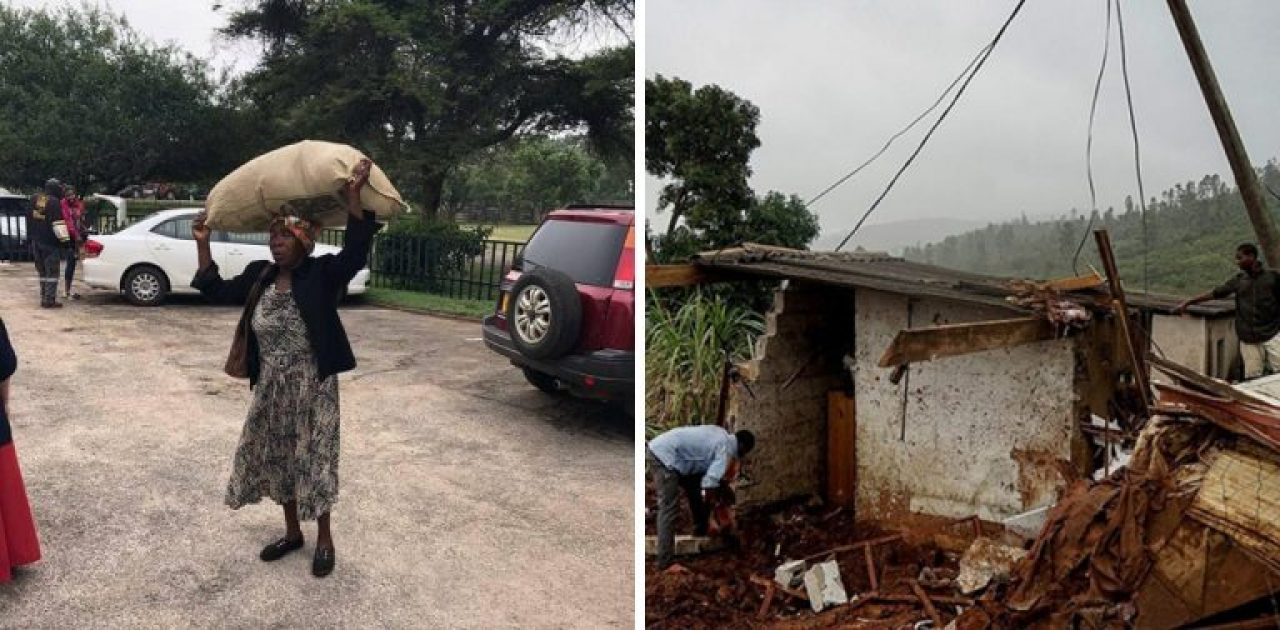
{"points": [[291, 346], [18, 542]]}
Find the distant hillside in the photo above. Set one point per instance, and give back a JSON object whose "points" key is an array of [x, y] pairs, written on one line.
{"points": [[894, 236], [1191, 232]]}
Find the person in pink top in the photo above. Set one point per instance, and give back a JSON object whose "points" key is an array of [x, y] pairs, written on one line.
{"points": [[73, 216]]}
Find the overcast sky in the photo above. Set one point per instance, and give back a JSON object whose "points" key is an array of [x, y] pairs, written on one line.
{"points": [[191, 24], [834, 80]]}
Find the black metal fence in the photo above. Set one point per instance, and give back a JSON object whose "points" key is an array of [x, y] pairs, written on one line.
{"points": [[421, 263], [416, 263], [13, 238]]}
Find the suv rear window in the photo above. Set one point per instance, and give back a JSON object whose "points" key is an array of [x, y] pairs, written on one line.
{"points": [[586, 252]]}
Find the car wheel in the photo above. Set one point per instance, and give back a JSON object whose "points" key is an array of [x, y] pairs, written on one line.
{"points": [[544, 382], [545, 314], [146, 286]]}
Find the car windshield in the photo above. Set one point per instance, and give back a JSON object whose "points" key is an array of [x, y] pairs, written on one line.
{"points": [[585, 251]]}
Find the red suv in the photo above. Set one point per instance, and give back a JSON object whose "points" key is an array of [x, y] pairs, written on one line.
{"points": [[566, 312]]}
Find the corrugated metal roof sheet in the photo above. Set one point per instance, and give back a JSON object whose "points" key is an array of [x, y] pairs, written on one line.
{"points": [[880, 271]]}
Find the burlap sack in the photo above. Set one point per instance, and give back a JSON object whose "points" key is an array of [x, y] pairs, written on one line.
{"points": [[303, 179]]}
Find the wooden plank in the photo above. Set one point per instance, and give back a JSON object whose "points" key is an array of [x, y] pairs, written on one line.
{"points": [[1136, 353], [662, 276], [842, 457], [1077, 283], [923, 344]]}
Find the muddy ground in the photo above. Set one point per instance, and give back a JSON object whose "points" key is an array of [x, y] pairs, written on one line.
{"points": [[715, 590], [467, 498]]}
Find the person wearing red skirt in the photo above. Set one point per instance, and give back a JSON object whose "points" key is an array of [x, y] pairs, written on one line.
{"points": [[18, 542]]}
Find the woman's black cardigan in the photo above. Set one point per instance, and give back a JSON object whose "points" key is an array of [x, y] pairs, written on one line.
{"points": [[317, 286]]}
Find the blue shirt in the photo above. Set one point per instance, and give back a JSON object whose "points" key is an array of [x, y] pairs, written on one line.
{"points": [[698, 450]]}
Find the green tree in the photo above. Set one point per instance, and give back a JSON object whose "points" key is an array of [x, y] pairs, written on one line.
{"points": [[423, 85], [778, 219], [702, 139], [518, 181], [84, 98]]}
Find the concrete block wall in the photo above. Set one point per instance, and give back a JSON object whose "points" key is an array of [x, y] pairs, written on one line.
{"points": [[1208, 346], [790, 424], [984, 433]]}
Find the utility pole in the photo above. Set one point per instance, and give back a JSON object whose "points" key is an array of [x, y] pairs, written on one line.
{"points": [[1246, 179]]}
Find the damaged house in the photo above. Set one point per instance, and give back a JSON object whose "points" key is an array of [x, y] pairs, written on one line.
{"points": [[981, 408], [919, 397]]}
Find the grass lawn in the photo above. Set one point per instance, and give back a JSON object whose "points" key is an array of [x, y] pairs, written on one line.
{"points": [[426, 302], [519, 233]]}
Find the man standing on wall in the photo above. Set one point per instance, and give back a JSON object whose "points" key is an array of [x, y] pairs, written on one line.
{"points": [[46, 246], [1257, 293]]}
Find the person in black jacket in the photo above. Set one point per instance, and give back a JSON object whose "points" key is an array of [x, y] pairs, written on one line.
{"points": [[46, 247], [288, 450]]}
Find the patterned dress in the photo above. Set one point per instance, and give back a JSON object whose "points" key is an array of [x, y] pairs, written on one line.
{"points": [[289, 448]]}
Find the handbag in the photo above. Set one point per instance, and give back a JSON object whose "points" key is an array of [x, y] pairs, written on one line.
{"points": [[60, 230], [237, 365]]}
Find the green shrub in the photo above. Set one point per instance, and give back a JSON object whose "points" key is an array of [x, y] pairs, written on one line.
{"points": [[685, 346], [421, 254]]}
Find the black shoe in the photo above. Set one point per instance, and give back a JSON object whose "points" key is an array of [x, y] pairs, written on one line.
{"points": [[279, 548], [322, 564]]}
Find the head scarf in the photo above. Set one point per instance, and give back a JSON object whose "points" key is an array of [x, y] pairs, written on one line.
{"points": [[302, 229]]}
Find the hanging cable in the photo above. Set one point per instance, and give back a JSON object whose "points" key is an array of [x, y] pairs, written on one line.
{"points": [[1088, 147], [1271, 190], [941, 117], [895, 136], [1137, 156]]}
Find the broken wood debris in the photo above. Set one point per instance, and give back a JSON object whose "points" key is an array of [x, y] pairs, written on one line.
{"points": [[873, 542], [928, 603]]}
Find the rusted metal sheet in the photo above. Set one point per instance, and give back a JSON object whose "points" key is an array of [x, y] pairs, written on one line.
{"points": [[933, 342], [1258, 422]]}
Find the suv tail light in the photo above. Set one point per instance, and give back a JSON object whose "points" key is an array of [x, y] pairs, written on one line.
{"points": [[625, 277], [92, 248]]}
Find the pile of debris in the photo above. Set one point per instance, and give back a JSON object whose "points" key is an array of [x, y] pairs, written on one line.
{"points": [[1187, 532], [804, 565]]}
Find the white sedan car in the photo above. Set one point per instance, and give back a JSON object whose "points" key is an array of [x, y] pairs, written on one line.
{"points": [[157, 256]]}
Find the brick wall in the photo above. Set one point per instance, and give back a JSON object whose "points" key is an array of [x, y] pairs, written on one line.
{"points": [[805, 338]]}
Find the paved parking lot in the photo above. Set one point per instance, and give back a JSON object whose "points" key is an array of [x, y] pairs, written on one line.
{"points": [[468, 499]]}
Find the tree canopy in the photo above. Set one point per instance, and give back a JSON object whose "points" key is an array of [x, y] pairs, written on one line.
{"points": [[424, 85], [86, 99], [517, 181], [702, 139]]}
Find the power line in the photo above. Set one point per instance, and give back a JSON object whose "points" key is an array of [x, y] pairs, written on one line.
{"points": [[1088, 150], [1137, 156], [895, 136], [943, 116]]}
